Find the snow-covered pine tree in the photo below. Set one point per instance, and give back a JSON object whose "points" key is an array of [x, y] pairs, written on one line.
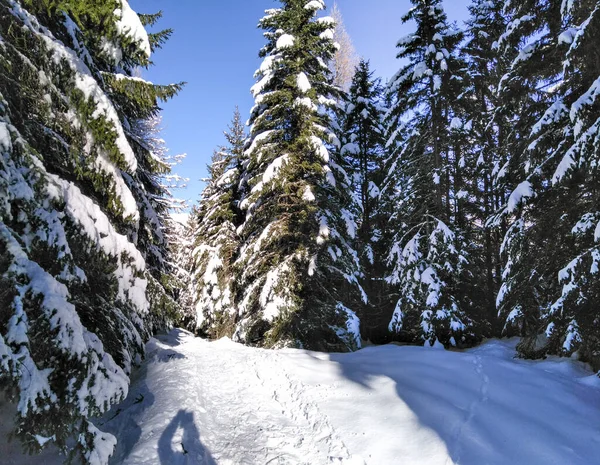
{"points": [[528, 278], [297, 268], [427, 253], [75, 287], [153, 188], [363, 148], [180, 231], [484, 126], [216, 241], [557, 200], [520, 103]]}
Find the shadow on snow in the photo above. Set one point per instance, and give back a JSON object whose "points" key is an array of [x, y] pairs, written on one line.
{"points": [[179, 443], [486, 409], [186, 448]]}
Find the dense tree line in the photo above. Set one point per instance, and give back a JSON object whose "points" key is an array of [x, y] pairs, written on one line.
{"points": [[455, 203]]}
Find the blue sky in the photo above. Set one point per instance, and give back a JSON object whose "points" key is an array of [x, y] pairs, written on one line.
{"points": [[215, 50]]}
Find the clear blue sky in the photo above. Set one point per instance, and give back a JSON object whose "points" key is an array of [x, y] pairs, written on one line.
{"points": [[215, 50]]}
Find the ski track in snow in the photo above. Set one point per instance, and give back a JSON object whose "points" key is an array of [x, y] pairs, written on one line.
{"points": [[194, 402]]}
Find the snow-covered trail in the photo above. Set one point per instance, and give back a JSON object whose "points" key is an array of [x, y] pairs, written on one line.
{"points": [[196, 402], [220, 403], [200, 402]]}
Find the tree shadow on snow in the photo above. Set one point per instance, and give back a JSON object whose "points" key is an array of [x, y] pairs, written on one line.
{"points": [[120, 421], [166, 356], [180, 443], [174, 337], [428, 387], [175, 448], [484, 410]]}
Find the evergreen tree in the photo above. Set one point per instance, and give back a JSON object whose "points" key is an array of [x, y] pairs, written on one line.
{"points": [[427, 253], [296, 268], [155, 200], [528, 276], [517, 105], [554, 240], [485, 127], [363, 149], [216, 239], [76, 291], [180, 233]]}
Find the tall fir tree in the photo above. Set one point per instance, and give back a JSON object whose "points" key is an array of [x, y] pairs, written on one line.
{"points": [[528, 278], [554, 237], [155, 198], [488, 124], [180, 233], [363, 148], [75, 216], [216, 238], [297, 269], [427, 252]]}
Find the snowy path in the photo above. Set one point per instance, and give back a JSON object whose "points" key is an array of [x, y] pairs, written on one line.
{"points": [[195, 402], [199, 402], [243, 403]]}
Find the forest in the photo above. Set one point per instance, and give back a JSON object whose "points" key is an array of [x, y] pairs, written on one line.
{"points": [[457, 202]]}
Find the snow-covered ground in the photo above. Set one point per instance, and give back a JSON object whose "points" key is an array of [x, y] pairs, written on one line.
{"points": [[200, 402]]}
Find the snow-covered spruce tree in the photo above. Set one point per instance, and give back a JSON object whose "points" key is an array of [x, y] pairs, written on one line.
{"points": [[520, 102], [556, 228], [180, 230], [165, 236], [75, 288], [528, 278], [296, 269], [215, 239], [484, 125], [363, 141], [427, 253], [153, 188]]}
